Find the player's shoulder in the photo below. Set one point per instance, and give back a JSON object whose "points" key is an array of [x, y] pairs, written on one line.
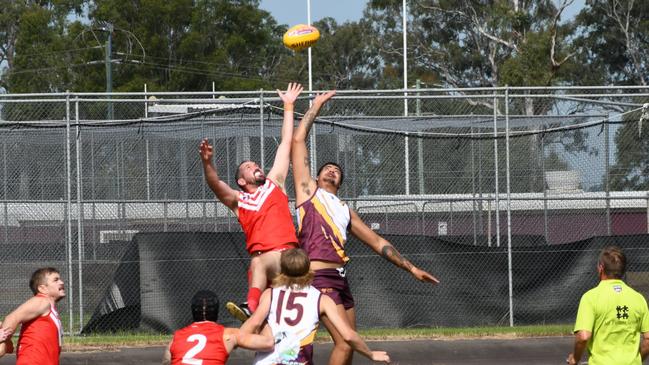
{"points": [[39, 303], [636, 295], [230, 331]]}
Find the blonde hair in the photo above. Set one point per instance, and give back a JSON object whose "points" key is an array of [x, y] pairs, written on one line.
{"points": [[295, 270]]}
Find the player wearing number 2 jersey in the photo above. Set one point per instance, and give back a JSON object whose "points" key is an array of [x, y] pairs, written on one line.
{"points": [[292, 309], [206, 342]]}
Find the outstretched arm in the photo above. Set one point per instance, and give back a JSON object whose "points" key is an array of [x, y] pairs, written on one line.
{"points": [[223, 191], [328, 308], [279, 171], [33, 308], [251, 341], [379, 244], [254, 323], [304, 183]]}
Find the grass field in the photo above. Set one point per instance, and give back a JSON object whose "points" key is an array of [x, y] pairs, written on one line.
{"points": [[72, 343]]}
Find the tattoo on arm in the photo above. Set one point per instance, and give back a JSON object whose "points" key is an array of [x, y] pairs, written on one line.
{"points": [[392, 255], [309, 116]]}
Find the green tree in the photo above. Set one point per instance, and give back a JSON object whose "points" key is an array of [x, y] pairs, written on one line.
{"points": [[613, 42], [33, 44], [190, 44], [472, 43], [612, 49]]}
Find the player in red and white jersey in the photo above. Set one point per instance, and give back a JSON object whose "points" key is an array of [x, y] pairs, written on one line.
{"points": [[261, 207], [292, 309], [41, 332], [205, 341]]}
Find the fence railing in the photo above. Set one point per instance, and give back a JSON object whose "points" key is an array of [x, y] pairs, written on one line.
{"points": [[481, 165]]}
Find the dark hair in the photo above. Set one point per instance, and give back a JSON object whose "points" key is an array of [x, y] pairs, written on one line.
{"points": [[613, 261], [39, 277], [296, 271], [205, 306], [342, 175], [238, 174]]}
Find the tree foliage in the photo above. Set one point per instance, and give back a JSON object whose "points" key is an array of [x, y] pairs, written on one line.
{"points": [[190, 45]]}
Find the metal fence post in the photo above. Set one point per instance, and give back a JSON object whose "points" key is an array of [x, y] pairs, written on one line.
{"points": [[546, 232], [406, 149], [606, 177], [509, 212], [261, 128], [4, 190], [68, 215], [80, 240], [420, 148], [146, 146], [497, 195]]}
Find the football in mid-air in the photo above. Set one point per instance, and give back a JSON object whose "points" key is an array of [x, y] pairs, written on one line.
{"points": [[301, 36]]}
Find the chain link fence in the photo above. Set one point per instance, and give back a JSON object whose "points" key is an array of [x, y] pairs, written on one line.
{"points": [[488, 169]]}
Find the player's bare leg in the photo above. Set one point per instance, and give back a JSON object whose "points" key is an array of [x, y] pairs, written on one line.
{"points": [[342, 353], [263, 268]]}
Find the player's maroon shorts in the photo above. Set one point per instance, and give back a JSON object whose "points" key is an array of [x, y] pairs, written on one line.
{"points": [[333, 283]]}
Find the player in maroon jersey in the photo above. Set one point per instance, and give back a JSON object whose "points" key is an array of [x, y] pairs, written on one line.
{"points": [[261, 207], [41, 333], [324, 220], [205, 341]]}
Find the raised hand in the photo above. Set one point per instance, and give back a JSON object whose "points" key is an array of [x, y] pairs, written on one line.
{"points": [[292, 92], [320, 99], [380, 356], [421, 275], [205, 150]]}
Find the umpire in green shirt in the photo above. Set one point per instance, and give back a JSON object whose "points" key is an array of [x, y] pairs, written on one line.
{"points": [[612, 319]]}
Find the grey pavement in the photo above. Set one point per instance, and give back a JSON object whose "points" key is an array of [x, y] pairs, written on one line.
{"points": [[528, 351]]}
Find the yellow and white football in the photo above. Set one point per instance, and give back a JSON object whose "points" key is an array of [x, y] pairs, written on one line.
{"points": [[301, 36]]}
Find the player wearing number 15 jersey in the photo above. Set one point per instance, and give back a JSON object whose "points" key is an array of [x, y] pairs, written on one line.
{"points": [[292, 309], [206, 342]]}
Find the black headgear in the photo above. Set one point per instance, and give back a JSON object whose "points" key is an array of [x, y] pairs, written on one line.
{"points": [[205, 306]]}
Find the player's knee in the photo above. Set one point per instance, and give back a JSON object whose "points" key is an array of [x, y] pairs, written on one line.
{"points": [[343, 346], [256, 265]]}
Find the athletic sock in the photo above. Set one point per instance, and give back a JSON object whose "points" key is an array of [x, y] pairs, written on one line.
{"points": [[253, 298]]}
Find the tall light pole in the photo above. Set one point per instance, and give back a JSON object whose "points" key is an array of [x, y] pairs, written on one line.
{"points": [[308, 14], [405, 94], [313, 128], [405, 56]]}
